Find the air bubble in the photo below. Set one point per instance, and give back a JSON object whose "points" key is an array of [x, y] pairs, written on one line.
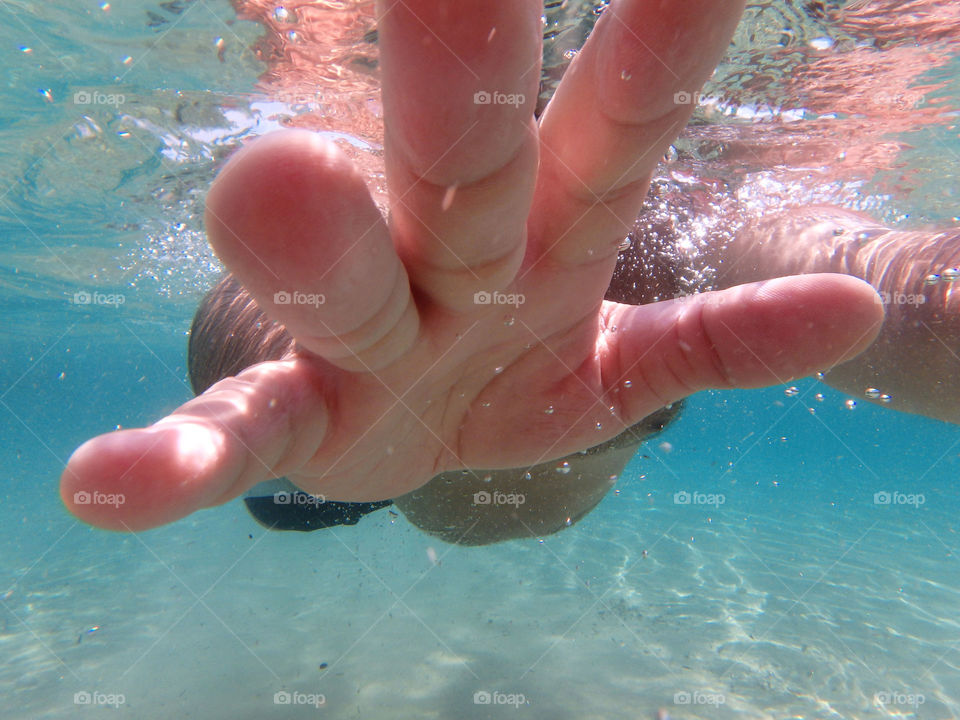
{"points": [[563, 468], [931, 279], [885, 398], [791, 391], [818, 397], [487, 478], [549, 410], [872, 393], [625, 244], [625, 75], [950, 274], [627, 383], [448, 196], [819, 376], [509, 321], [850, 404], [599, 426], [497, 370], [527, 476], [281, 14]]}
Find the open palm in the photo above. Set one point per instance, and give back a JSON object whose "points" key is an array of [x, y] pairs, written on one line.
{"points": [[470, 330]]}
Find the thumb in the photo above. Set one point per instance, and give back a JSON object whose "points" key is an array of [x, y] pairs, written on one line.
{"points": [[749, 336]]}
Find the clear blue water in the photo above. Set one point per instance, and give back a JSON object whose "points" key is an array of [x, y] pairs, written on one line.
{"points": [[798, 597]]}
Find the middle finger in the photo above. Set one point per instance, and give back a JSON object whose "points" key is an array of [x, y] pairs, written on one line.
{"points": [[459, 89]]}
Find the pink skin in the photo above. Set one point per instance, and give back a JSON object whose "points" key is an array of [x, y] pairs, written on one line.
{"points": [[400, 375]]}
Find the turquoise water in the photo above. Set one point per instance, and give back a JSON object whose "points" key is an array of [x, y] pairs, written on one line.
{"points": [[797, 597]]}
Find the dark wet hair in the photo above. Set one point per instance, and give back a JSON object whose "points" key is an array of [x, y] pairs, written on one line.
{"points": [[230, 333]]}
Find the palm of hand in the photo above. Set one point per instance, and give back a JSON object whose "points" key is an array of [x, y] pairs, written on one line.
{"points": [[400, 372]]}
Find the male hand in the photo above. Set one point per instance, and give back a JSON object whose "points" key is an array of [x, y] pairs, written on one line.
{"points": [[470, 330]]}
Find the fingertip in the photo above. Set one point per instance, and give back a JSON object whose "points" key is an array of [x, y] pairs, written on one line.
{"points": [[791, 327], [133, 480]]}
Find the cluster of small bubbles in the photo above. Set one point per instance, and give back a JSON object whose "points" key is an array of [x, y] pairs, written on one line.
{"points": [[563, 468], [549, 410], [872, 393], [627, 383], [850, 404], [818, 397], [791, 391], [950, 274], [931, 279]]}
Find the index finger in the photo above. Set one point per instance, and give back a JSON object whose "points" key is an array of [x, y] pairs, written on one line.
{"points": [[623, 100]]}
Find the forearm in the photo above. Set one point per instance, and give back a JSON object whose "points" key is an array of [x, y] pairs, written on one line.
{"points": [[916, 355]]}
